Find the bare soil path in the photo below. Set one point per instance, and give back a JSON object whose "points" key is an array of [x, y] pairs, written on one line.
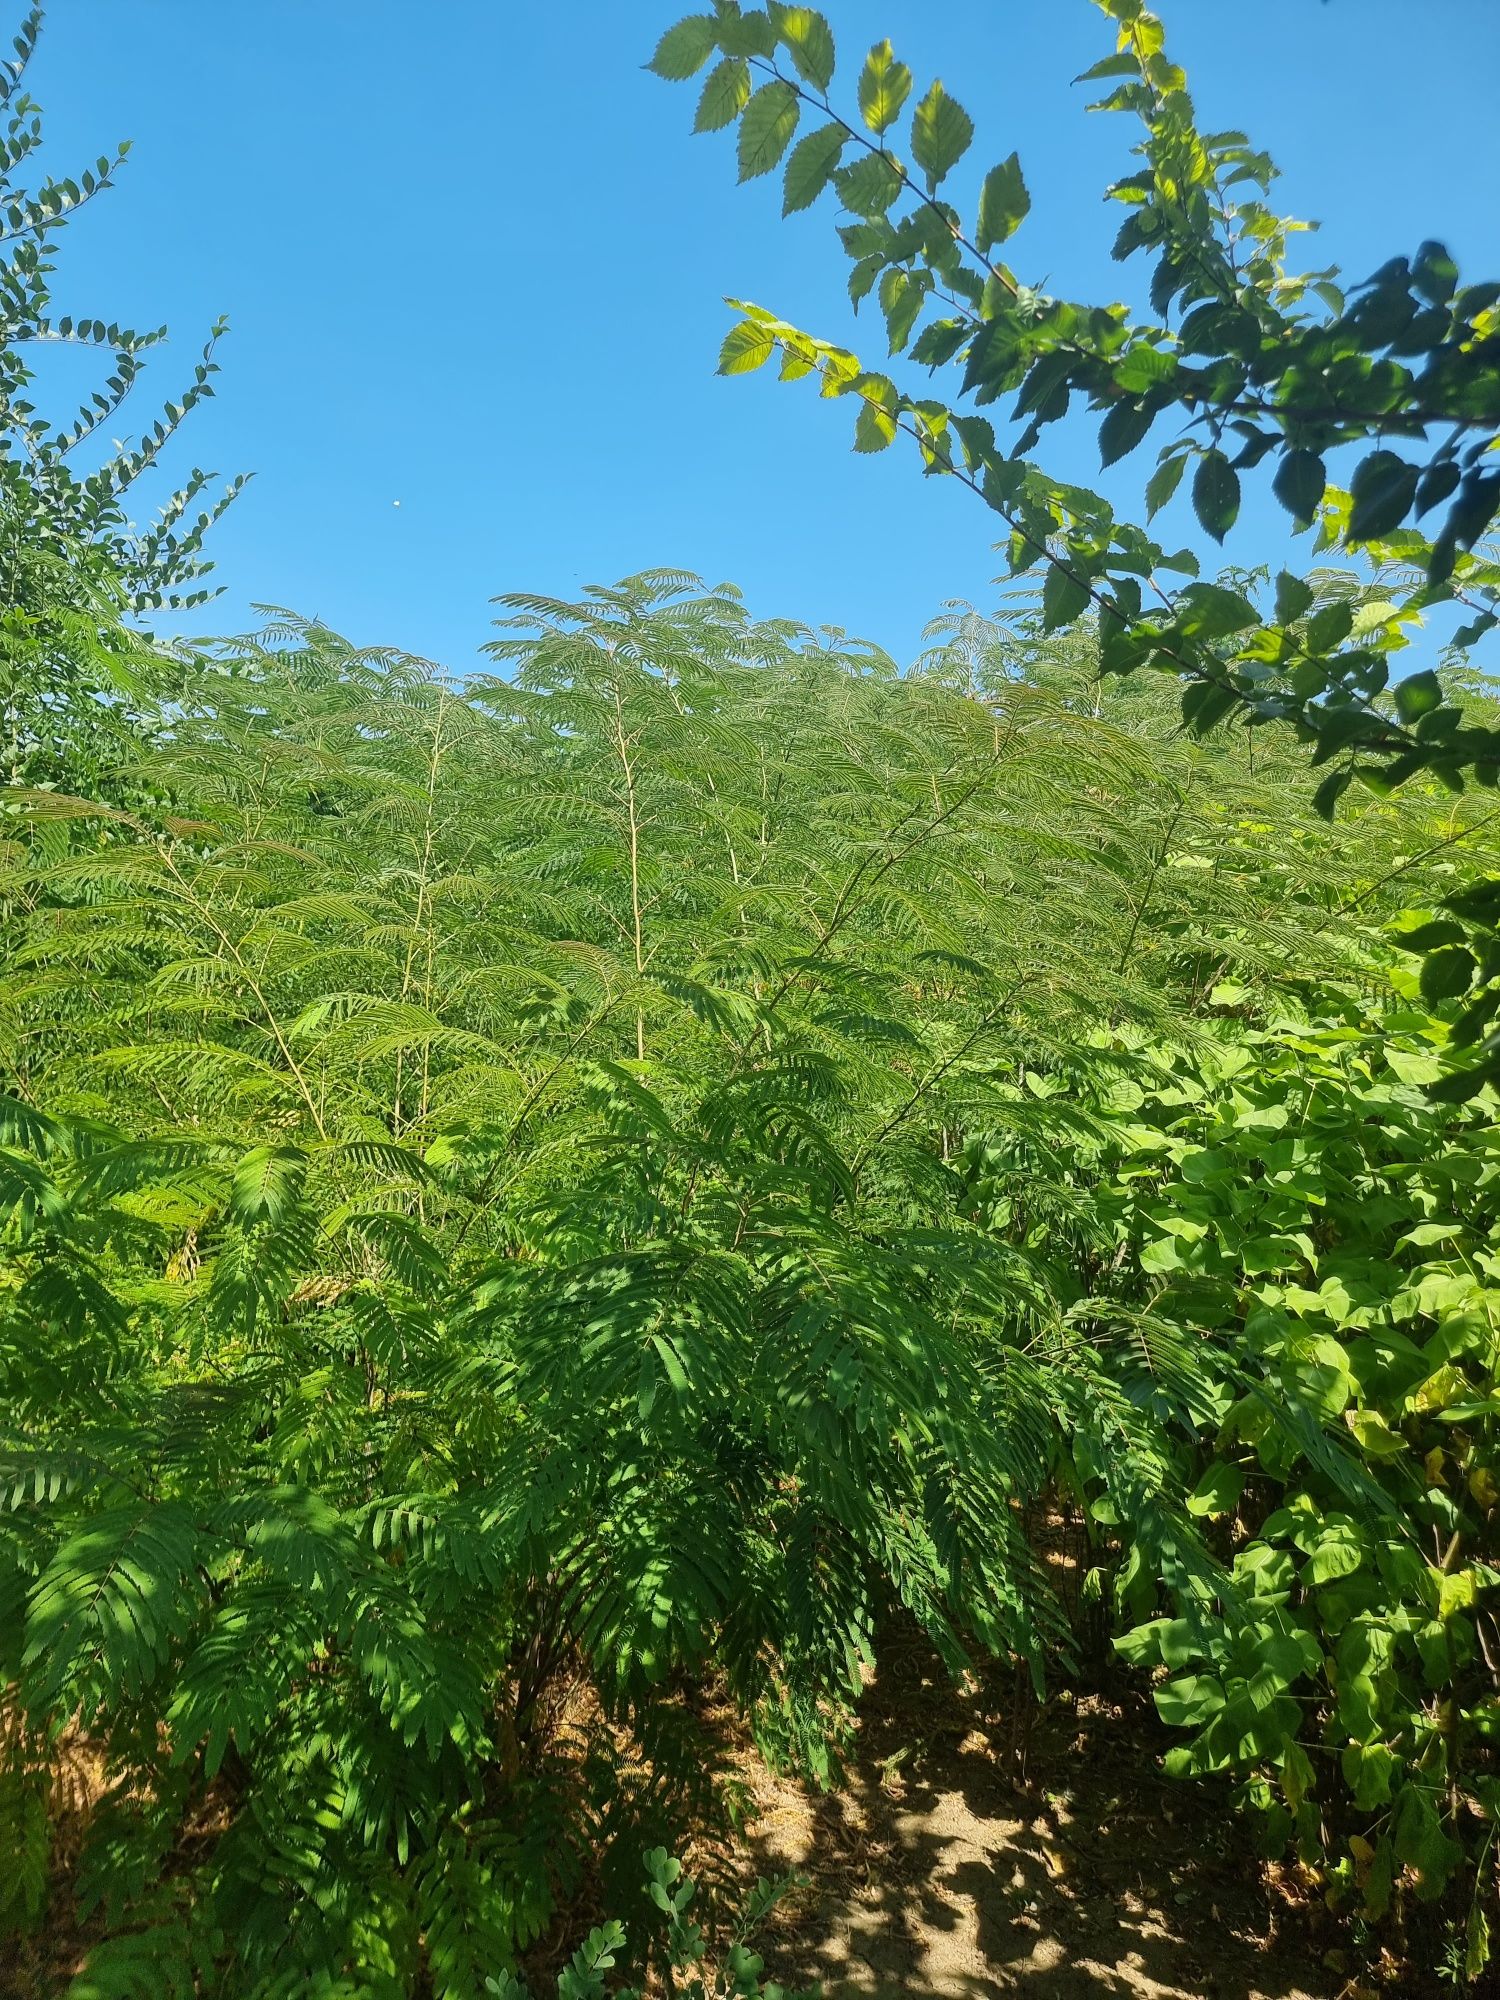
{"points": [[944, 1872]]}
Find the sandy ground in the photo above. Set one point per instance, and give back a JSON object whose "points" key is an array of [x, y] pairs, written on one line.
{"points": [[946, 1871]]}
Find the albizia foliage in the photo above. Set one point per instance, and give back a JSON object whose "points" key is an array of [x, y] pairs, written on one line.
{"points": [[491, 1210]]}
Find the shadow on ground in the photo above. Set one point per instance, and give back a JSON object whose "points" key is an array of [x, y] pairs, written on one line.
{"points": [[947, 1871]]}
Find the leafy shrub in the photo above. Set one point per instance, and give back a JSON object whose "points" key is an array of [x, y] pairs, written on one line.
{"points": [[1306, 1263], [737, 1973]]}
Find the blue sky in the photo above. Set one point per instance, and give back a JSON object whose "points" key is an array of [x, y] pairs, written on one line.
{"points": [[474, 263]]}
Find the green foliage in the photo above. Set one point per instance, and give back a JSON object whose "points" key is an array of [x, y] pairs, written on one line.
{"points": [[58, 495], [688, 1969], [1264, 362], [539, 1210], [489, 1168], [1293, 1211]]}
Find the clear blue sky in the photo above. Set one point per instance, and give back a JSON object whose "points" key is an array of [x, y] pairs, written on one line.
{"points": [[474, 262]]}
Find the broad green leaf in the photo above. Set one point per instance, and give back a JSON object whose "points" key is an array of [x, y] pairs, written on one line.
{"points": [[747, 33], [1300, 482], [1004, 204], [901, 297], [1205, 704], [1122, 430], [746, 347], [1188, 1702], [1218, 1491], [1163, 483], [1209, 611], [766, 128], [876, 425], [810, 167], [1419, 1840], [1447, 973], [1329, 792], [1293, 597], [683, 50], [874, 428], [941, 133], [1329, 627], [725, 95], [1382, 490], [1418, 695], [1216, 494], [870, 186], [884, 86], [1065, 596], [809, 40]]}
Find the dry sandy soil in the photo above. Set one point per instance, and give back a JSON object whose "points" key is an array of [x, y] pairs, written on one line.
{"points": [[948, 1871]]}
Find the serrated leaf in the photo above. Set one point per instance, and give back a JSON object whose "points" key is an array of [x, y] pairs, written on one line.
{"points": [[1300, 483], [884, 86], [766, 128], [1216, 494], [1293, 597], [1122, 430], [1163, 483], [809, 41], [1328, 794], [870, 186], [746, 34], [1004, 204], [746, 347], [811, 166], [901, 296], [874, 427], [1328, 628], [1065, 596], [880, 401], [1382, 490], [941, 133], [725, 95], [685, 48]]}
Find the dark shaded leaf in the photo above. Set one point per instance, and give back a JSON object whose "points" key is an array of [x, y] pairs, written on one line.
{"points": [[1065, 596], [1418, 695], [1300, 482], [1216, 494], [1293, 597], [1447, 973], [1122, 430], [1383, 488]]}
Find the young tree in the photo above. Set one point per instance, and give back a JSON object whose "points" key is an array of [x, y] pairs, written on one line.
{"points": [[47, 499], [1257, 361]]}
